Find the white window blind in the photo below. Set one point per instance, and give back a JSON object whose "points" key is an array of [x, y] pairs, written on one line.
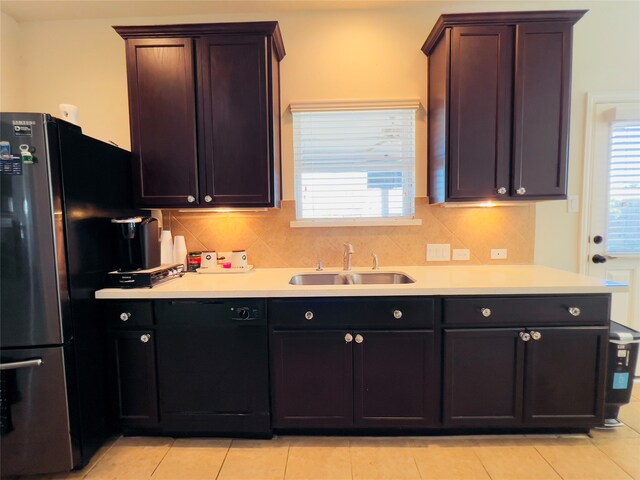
{"points": [[355, 163], [623, 226]]}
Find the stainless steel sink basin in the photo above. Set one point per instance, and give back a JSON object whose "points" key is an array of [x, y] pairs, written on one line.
{"points": [[359, 278]]}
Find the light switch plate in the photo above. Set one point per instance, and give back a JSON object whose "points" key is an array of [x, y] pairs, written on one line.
{"points": [[498, 253], [573, 204], [461, 254], [438, 252]]}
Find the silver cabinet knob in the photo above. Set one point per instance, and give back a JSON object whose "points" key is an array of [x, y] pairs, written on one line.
{"points": [[575, 311], [536, 335], [521, 191], [486, 312], [308, 315], [348, 338], [525, 336], [208, 198], [191, 199], [124, 316], [359, 338], [397, 314], [502, 190], [145, 338]]}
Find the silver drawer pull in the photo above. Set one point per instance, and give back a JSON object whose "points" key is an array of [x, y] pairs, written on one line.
{"points": [[359, 338], [525, 336], [145, 338], [124, 316], [502, 191], [308, 315], [348, 338], [575, 311], [521, 191], [536, 335], [191, 199], [36, 362], [486, 312], [397, 314]]}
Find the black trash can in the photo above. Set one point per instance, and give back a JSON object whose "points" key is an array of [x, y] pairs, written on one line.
{"points": [[623, 355]]}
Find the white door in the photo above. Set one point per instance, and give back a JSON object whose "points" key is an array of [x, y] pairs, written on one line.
{"points": [[611, 219]]}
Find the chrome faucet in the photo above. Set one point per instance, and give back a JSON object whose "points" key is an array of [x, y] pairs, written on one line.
{"points": [[348, 252]]}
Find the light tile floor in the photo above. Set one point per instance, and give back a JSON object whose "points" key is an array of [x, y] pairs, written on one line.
{"points": [[602, 455]]}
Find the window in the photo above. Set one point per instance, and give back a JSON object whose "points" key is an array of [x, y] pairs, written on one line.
{"points": [[623, 219], [354, 163]]}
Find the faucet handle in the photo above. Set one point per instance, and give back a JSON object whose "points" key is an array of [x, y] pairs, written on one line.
{"points": [[348, 248], [375, 261]]}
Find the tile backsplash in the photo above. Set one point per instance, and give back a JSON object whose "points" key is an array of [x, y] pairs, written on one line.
{"points": [[271, 242]]}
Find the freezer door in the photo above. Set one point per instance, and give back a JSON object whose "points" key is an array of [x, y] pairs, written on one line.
{"points": [[34, 423], [29, 306]]}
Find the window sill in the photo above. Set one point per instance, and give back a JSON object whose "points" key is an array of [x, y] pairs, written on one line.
{"points": [[353, 222]]}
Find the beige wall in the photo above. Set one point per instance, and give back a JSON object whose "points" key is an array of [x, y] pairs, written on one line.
{"points": [[347, 54], [12, 69]]}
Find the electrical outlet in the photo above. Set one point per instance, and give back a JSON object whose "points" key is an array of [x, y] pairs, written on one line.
{"points": [[461, 254], [438, 252], [498, 253]]}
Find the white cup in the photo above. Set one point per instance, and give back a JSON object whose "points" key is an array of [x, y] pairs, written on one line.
{"points": [[239, 259], [208, 260], [180, 251], [166, 247]]}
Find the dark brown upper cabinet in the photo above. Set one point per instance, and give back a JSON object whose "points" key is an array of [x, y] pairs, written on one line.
{"points": [[499, 102], [204, 107]]}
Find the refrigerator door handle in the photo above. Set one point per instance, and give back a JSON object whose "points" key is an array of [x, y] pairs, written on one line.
{"points": [[36, 362]]}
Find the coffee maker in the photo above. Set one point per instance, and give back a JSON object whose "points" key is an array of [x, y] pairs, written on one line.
{"points": [[138, 243]]}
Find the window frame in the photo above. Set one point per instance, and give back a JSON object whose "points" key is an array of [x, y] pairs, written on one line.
{"points": [[343, 106]]}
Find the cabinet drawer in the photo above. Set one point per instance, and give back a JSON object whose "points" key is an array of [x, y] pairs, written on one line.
{"points": [[527, 310], [129, 314], [394, 313]]}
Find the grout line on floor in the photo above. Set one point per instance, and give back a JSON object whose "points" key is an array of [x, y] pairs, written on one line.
{"points": [[415, 462], [473, 450], [99, 459], [286, 464], [548, 462], [173, 441], [223, 460], [613, 460]]}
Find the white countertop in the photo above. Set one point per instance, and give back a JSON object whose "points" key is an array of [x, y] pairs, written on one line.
{"points": [[444, 280]]}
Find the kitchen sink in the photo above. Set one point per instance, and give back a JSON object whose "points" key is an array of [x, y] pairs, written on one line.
{"points": [[360, 278]]}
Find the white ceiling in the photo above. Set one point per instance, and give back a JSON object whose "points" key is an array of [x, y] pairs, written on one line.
{"points": [[39, 10]]}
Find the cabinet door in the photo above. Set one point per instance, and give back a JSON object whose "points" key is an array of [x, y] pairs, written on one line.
{"points": [[163, 121], [235, 103], [394, 378], [133, 367], [483, 371], [312, 379], [565, 376], [480, 112], [541, 110]]}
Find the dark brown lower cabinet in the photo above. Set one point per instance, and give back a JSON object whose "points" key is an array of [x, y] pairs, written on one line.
{"points": [[133, 372], [311, 379], [549, 377], [564, 372], [393, 379], [349, 378]]}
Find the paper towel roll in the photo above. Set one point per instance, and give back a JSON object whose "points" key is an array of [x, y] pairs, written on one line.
{"points": [[166, 247], [69, 113]]}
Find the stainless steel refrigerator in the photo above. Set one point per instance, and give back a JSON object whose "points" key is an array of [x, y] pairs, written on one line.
{"points": [[59, 188]]}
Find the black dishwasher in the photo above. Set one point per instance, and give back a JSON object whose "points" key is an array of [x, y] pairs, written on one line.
{"points": [[213, 373]]}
